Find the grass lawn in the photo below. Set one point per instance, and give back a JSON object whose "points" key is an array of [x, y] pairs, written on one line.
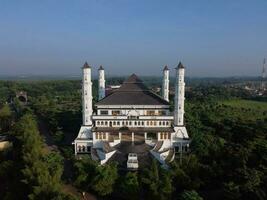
{"points": [[252, 110], [248, 104]]}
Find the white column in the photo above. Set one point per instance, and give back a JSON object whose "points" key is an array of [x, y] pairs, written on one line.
{"points": [[120, 135], [87, 96], [101, 83], [132, 136], [75, 148], [165, 84], [145, 134], [179, 96]]}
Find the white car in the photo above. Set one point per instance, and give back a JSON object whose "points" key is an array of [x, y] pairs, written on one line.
{"points": [[132, 162]]}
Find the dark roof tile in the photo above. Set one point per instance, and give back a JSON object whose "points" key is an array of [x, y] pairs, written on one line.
{"points": [[133, 92]]}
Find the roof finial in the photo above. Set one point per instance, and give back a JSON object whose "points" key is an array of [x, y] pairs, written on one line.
{"points": [[165, 68], [86, 65], [180, 66], [101, 67]]}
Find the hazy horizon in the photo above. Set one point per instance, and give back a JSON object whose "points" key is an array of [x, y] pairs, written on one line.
{"points": [[212, 38]]}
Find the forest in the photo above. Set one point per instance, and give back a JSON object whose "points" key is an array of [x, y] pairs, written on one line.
{"points": [[227, 158]]}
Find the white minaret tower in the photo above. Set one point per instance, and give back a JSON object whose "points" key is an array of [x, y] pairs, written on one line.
{"points": [[263, 75], [165, 84], [87, 107], [101, 83], [179, 96]]}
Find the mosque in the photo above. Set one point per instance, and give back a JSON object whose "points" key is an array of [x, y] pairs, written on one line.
{"points": [[132, 119]]}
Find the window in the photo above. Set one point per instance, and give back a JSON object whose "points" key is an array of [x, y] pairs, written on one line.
{"points": [[159, 123], [164, 136], [133, 117], [103, 112], [79, 148], [143, 123], [150, 112], [116, 112], [162, 112], [106, 123], [98, 122], [135, 123], [118, 123], [100, 136]]}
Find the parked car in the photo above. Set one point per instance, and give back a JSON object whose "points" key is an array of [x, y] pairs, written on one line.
{"points": [[132, 162]]}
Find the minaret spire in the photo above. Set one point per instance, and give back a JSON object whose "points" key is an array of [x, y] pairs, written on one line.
{"points": [[165, 84], [101, 83], [263, 75], [87, 107], [179, 96]]}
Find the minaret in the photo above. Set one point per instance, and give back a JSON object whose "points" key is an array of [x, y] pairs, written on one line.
{"points": [[179, 96], [165, 84], [263, 75], [87, 107], [101, 83]]}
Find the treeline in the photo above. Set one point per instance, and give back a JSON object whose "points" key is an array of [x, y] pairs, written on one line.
{"points": [[152, 183], [28, 170], [228, 158]]}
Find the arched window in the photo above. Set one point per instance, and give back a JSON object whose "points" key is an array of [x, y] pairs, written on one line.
{"points": [[83, 149], [79, 148]]}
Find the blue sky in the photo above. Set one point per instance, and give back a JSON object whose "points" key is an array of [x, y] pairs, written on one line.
{"points": [[212, 38]]}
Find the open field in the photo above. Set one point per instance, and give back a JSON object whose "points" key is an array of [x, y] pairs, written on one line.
{"points": [[248, 104], [251, 110]]}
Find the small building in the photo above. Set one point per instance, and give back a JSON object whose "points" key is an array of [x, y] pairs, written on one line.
{"points": [[132, 115]]}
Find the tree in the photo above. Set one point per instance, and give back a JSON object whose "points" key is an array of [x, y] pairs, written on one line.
{"points": [[190, 195], [5, 118], [129, 186], [41, 172], [89, 175], [157, 181], [104, 179]]}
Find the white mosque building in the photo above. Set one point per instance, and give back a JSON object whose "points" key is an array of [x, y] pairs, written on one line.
{"points": [[132, 115]]}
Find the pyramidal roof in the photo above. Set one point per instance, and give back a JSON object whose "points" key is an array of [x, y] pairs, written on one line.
{"points": [[180, 66], [133, 92], [133, 83], [165, 68], [86, 65]]}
